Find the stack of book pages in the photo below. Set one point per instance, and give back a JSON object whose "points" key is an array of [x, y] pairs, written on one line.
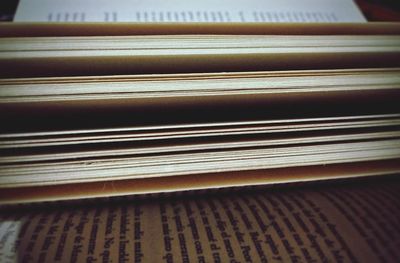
{"points": [[96, 116]]}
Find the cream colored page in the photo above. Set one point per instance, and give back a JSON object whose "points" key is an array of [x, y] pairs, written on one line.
{"points": [[355, 223], [188, 11]]}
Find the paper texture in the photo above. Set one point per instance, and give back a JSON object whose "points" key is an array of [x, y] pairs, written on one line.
{"points": [[303, 225], [188, 11]]}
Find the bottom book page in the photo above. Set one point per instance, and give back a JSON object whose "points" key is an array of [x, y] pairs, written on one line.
{"points": [[196, 182], [354, 221]]}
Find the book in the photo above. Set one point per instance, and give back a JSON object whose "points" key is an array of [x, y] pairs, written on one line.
{"points": [[180, 134], [188, 11], [352, 221], [193, 53], [234, 142], [334, 104]]}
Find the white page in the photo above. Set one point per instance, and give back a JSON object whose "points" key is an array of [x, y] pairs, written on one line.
{"points": [[188, 11]]}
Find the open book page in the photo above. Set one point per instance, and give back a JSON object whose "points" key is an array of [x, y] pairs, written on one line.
{"points": [[188, 11], [357, 222]]}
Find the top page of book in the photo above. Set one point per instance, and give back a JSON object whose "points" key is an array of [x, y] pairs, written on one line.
{"points": [[213, 11]]}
